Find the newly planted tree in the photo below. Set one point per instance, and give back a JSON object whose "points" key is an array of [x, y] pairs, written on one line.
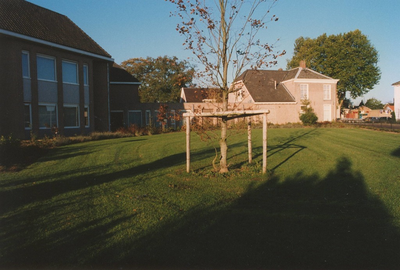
{"points": [[224, 38]]}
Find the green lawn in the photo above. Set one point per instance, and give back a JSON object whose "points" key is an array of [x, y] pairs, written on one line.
{"points": [[331, 200]]}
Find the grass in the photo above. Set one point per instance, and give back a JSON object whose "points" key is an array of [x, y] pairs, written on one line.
{"points": [[331, 200]]}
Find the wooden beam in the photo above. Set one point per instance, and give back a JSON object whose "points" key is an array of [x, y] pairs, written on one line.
{"points": [[249, 143], [265, 141], [187, 143]]}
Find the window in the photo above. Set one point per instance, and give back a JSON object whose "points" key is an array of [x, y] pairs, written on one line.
{"points": [[240, 94], [135, 118], [69, 72], [327, 92], [25, 65], [303, 91], [173, 117], [71, 116], [148, 117], [85, 75], [46, 68], [27, 116], [47, 116], [155, 122], [86, 116]]}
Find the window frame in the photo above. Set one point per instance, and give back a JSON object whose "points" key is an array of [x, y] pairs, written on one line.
{"points": [[134, 111], [30, 116], [77, 115], [85, 72], [69, 62], [306, 90], [328, 90], [148, 117], [55, 67], [172, 118], [27, 65], [86, 110], [56, 114], [156, 123]]}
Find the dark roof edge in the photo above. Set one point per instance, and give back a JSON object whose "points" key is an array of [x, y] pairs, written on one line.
{"points": [[44, 42]]}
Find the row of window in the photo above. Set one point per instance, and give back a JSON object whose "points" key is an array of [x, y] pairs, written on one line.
{"points": [[46, 69], [48, 116], [304, 91], [135, 118]]}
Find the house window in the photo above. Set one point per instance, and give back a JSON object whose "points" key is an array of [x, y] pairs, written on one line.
{"points": [[47, 116], [327, 92], [135, 118], [240, 95], [46, 68], [85, 75], [69, 72], [148, 117], [25, 65], [71, 116], [86, 116], [27, 116], [303, 91]]}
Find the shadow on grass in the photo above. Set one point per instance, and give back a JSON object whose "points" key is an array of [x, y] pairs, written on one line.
{"points": [[36, 190], [396, 152], [302, 222]]}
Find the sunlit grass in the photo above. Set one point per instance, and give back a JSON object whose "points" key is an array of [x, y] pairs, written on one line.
{"points": [[129, 202]]}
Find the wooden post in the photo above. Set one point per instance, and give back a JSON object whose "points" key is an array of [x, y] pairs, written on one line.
{"points": [[264, 169], [188, 144], [249, 146]]}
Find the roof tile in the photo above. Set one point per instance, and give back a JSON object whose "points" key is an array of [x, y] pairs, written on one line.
{"points": [[22, 17]]}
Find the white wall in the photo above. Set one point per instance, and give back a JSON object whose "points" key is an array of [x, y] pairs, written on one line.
{"points": [[397, 101]]}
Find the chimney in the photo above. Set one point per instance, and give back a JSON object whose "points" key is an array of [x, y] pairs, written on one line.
{"points": [[303, 64]]}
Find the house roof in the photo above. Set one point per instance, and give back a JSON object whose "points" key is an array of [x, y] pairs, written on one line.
{"points": [[199, 94], [265, 85], [27, 19], [119, 74], [390, 106], [396, 83], [305, 73]]}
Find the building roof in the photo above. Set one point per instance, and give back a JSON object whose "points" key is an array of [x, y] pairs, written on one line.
{"points": [[27, 19], [119, 74], [265, 85], [389, 105], [396, 83], [199, 94]]}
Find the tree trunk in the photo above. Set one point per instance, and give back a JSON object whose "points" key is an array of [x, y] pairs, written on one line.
{"points": [[223, 146], [225, 90]]}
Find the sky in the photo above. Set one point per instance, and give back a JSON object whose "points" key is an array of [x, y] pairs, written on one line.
{"points": [[141, 28]]}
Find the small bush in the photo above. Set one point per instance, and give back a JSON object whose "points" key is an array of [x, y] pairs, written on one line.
{"points": [[308, 117]]}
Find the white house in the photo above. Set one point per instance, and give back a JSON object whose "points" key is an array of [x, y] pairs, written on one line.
{"points": [[397, 99]]}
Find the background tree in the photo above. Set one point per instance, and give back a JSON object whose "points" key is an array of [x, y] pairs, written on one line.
{"points": [[222, 35], [162, 77], [349, 57], [374, 104]]}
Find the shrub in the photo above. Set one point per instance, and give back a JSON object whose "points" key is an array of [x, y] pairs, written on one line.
{"points": [[308, 117]]}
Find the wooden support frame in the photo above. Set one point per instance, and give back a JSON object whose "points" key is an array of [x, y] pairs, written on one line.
{"points": [[229, 115]]}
